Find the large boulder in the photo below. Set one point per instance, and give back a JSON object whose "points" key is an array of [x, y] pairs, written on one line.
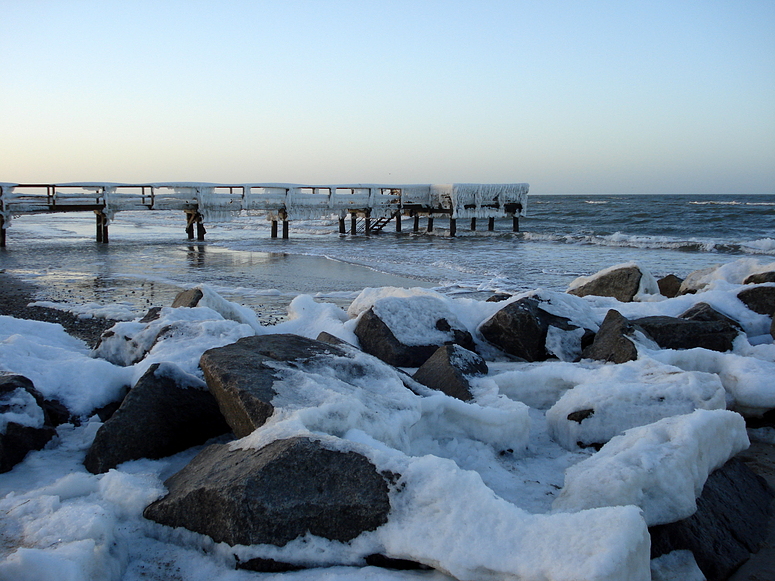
{"points": [[241, 375], [27, 420], [760, 299], [620, 283], [669, 286], [160, 416], [188, 298], [276, 494], [448, 370], [697, 280], [760, 277], [612, 342], [521, 328], [731, 522], [704, 312], [405, 332], [678, 333]]}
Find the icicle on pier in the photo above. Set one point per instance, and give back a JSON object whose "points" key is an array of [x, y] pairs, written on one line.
{"points": [[369, 207]]}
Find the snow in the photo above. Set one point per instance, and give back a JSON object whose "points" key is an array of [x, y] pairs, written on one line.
{"points": [[495, 488]]}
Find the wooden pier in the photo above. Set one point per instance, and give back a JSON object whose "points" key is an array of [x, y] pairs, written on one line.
{"points": [[370, 207]]}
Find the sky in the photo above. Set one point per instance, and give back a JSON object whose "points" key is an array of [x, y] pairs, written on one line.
{"points": [[570, 96]]}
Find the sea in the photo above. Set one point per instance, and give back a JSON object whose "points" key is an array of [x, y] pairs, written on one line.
{"points": [[149, 258]]}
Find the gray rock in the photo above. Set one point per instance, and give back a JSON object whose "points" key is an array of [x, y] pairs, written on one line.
{"points": [[669, 286], [325, 337], [448, 370], [520, 329], [241, 375], [760, 277], [188, 298], [696, 280], [611, 341], [678, 333], [499, 297], [760, 299], [621, 284], [730, 523], [18, 440], [153, 314], [704, 312], [275, 494], [158, 417], [377, 339]]}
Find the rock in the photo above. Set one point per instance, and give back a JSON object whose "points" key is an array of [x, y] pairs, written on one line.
{"points": [[261, 565], [158, 417], [520, 329], [241, 375], [611, 341], [153, 314], [676, 333], [730, 523], [697, 280], [704, 312], [325, 337], [448, 369], [760, 299], [498, 298], [276, 494], [760, 277], [377, 338], [188, 298], [669, 285], [37, 419], [622, 284]]}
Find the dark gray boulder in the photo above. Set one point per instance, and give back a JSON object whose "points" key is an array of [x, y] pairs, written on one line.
{"points": [[448, 370], [241, 375], [678, 333], [273, 495], [499, 297], [612, 342], [669, 286], [760, 277], [158, 417], [376, 338], [18, 395], [621, 284], [188, 298], [520, 329], [704, 312], [731, 522], [760, 299]]}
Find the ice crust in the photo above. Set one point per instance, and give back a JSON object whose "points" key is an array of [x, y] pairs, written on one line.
{"points": [[490, 489]]}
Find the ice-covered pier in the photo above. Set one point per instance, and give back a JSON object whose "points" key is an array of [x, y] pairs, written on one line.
{"points": [[370, 207]]}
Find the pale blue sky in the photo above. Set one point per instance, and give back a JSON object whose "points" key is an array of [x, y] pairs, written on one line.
{"points": [[570, 96]]}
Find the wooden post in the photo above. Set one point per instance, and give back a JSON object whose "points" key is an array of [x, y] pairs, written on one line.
{"points": [[473, 224], [491, 224], [274, 229], [102, 226], [200, 228], [398, 222], [515, 224], [430, 223], [416, 223], [2, 231], [342, 226], [285, 229], [190, 219], [367, 224], [452, 227], [353, 224]]}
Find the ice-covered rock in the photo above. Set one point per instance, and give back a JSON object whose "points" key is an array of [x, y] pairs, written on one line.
{"points": [[448, 370], [683, 333], [759, 298], [624, 282], [612, 341], [669, 286]]}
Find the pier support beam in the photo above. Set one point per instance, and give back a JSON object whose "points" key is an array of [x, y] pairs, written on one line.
{"points": [[200, 230], [452, 227], [2, 231], [342, 226], [416, 227], [102, 227], [194, 218], [273, 233], [491, 224], [473, 224], [353, 224], [367, 223], [430, 223], [398, 222], [285, 229], [515, 224]]}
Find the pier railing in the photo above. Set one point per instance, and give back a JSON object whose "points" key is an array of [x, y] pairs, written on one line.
{"points": [[279, 202]]}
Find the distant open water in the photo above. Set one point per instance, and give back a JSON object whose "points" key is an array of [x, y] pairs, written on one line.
{"points": [[563, 236]]}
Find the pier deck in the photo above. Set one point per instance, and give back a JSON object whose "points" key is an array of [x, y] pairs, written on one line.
{"points": [[374, 205]]}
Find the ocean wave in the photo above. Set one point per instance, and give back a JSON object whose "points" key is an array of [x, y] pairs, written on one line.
{"points": [[765, 246]]}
